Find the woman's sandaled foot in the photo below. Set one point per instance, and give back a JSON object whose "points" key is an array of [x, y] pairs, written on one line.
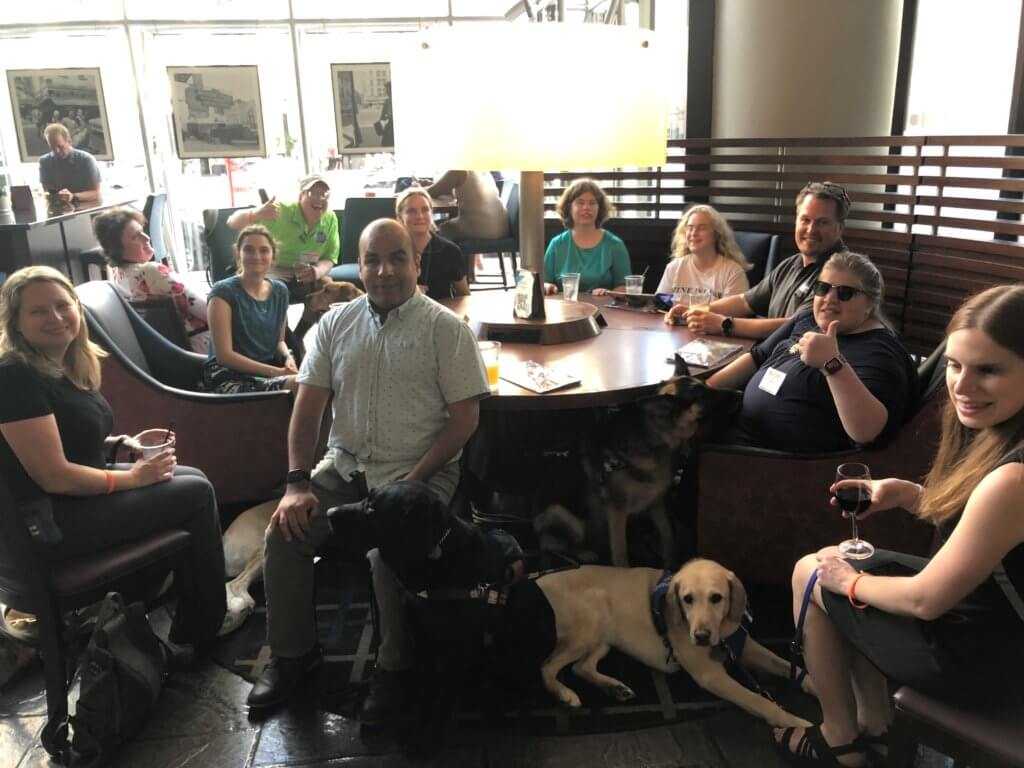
{"points": [[876, 747], [807, 747]]}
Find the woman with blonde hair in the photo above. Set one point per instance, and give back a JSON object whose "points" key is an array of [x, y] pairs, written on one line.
{"points": [[705, 255], [55, 439], [442, 264], [951, 625], [598, 256]]}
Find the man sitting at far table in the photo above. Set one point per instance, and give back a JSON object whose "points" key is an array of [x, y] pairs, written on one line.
{"points": [[67, 174], [821, 210]]}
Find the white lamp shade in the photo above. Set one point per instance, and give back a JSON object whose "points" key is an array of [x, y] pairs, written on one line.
{"points": [[530, 97]]}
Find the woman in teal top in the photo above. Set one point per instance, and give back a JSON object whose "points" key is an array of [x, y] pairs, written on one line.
{"points": [[247, 315], [599, 256]]}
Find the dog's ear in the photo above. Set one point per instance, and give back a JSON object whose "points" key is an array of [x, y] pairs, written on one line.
{"points": [[737, 606], [681, 369], [675, 616]]}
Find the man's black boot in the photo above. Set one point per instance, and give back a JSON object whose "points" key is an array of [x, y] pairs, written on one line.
{"points": [[281, 678], [383, 703]]}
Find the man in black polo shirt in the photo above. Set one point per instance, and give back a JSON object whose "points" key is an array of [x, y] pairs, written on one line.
{"points": [[821, 209]]}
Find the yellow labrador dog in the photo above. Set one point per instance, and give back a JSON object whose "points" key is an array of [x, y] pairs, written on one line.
{"points": [[598, 608]]}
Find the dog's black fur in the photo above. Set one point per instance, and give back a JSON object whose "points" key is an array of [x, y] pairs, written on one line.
{"points": [[431, 549], [637, 447]]}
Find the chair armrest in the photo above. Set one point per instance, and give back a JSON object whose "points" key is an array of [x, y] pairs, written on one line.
{"points": [[760, 510], [239, 441]]}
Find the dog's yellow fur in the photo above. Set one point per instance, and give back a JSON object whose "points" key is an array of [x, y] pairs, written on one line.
{"points": [[331, 292], [598, 608]]}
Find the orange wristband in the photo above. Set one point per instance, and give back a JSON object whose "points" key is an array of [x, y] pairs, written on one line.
{"points": [[110, 480], [851, 592]]}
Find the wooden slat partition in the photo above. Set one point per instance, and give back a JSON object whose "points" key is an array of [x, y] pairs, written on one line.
{"points": [[940, 215]]}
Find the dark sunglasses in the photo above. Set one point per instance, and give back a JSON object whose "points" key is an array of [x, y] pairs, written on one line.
{"points": [[844, 292]]}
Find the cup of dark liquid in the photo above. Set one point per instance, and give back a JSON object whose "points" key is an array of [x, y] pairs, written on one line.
{"points": [[854, 499]]}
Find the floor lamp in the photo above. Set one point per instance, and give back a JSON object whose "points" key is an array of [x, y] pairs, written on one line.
{"points": [[531, 97]]}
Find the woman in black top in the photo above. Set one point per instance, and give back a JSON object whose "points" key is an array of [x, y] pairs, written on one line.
{"points": [[830, 378], [55, 439], [442, 265], [951, 625]]}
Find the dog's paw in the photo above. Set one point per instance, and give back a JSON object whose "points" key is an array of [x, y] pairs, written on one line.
{"points": [[570, 699], [620, 692], [239, 599], [240, 606]]}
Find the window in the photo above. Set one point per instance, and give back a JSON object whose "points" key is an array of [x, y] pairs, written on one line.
{"points": [[964, 59]]}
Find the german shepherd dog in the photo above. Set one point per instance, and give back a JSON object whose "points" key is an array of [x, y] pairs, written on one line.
{"points": [[629, 462]]}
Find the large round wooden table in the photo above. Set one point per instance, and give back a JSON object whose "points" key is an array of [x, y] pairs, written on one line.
{"points": [[628, 360]]}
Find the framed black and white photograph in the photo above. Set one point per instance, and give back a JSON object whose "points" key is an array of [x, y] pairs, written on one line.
{"points": [[71, 97], [362, 108], [217, 111]]}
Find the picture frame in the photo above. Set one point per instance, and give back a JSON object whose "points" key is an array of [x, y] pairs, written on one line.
{"points": [[72, 97], [217, 111], [363, 109]]}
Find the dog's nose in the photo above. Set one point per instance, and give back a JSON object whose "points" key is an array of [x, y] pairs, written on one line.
{"points": [[702, 637]]}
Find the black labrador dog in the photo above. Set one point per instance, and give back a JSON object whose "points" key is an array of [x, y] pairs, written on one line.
{"points": [[442, 561]]}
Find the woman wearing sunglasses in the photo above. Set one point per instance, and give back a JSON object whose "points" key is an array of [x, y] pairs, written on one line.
{"points": [[831, 377]]}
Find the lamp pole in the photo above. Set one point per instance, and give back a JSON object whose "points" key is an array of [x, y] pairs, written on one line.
{"points": [[531, 221]]}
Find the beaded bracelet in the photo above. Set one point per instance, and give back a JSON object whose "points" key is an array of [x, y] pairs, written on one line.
{"points": [[110, 480], [851, 592]]}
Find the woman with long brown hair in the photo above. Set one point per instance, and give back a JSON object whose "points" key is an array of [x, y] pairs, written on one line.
{"points": [[952, 624]]}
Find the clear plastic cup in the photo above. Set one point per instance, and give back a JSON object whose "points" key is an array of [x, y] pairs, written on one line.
{"points": [[634, 283], [490, 351], [153, 441], [571, 286], [700, 299]]}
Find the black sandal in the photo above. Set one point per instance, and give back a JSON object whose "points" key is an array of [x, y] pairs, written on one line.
{"points": [[873, 746], [812, 751]]}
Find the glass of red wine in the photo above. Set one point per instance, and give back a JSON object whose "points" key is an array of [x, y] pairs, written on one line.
{"points": [[854, 500]]}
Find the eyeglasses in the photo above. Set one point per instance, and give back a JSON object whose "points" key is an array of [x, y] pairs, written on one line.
{"points": [[843, 292]]}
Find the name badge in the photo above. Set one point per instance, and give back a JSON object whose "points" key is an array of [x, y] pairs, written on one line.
{"points": [[772, 381]]}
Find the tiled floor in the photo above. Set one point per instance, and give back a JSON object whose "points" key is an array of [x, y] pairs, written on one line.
{"points": [[201, 721]]}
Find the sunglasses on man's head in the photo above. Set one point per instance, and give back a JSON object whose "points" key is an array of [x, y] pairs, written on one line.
{"points": [[844, 292]]}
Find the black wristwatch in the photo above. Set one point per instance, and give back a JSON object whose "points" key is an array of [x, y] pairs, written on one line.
{"points": [[296, 476], [727, 324], [833, 366], [74, 199]]}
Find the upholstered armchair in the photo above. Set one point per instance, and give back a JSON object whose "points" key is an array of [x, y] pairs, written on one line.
{"points": [[239, 441]]}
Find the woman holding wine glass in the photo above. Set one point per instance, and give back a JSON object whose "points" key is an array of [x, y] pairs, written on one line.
{"points": [[953, 624]]}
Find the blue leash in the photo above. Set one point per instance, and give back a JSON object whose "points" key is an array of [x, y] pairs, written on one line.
{"points": [[797, 669]]}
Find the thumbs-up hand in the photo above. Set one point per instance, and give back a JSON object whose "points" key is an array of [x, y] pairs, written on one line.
{"points": [[269, 211], [815, 348]]}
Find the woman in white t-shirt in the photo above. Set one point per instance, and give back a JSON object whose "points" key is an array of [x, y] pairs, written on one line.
{"points": [[705, 255]]}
